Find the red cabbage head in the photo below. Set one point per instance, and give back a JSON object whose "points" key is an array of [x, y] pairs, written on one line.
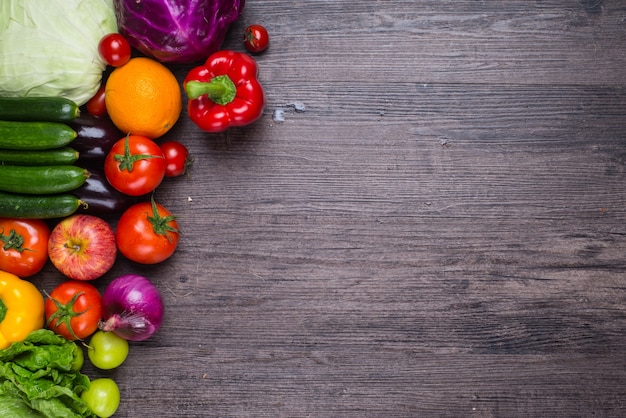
{"points": [[176, 31]]}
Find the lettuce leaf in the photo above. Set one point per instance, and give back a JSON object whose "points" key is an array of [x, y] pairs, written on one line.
{"points": [[13, 406], [38, 378]]}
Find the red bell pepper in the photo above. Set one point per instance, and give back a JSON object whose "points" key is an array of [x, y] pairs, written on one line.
{"points": [[224, 92]]}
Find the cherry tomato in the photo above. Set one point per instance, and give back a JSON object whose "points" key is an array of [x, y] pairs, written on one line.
{"points": [[102, 397], [147, 233], [96, 105], [176, 158], [23, 245], [256, 38], [114, 49], [74, 309], [135, 165], [107, 350]]}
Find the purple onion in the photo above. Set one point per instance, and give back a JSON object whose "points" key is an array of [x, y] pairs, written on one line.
{"points": [[133, 307]]}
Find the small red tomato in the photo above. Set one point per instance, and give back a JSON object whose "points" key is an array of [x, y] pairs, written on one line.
{"points": [[176, 158], [114, 49], [23, 245], [147, 233], [74, 309], [96, 105], [256, 38], [135, 165]]}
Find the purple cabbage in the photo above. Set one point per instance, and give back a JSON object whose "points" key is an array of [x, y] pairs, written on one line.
{"points": [[176, 31]]}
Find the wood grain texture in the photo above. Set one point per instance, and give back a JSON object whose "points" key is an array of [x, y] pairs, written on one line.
{"points": [[441, 231]]}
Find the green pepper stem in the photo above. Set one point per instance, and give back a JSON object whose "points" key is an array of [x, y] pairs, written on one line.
{"points": [[220, 89], [3, 310]]}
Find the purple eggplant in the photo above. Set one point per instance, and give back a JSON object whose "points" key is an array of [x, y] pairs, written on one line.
{"points": [[95, 137], [101, 198]]}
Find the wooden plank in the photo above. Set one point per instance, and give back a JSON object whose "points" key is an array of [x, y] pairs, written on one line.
{"points": [[519, 42]]}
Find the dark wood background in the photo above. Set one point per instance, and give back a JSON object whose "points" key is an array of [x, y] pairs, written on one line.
{"points": [[440, 231]]}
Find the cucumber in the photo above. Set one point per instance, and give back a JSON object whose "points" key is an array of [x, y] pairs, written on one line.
{"points": [[47, 179], [34, 135], [38, 207], [57, 156], [40, 109]]}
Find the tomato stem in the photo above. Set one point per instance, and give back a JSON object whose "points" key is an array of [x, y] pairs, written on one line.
{"points": [[64, 313], [127, 160], [160, 224], [13, 241]]}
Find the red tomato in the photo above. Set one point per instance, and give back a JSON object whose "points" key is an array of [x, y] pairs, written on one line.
{"points": [[256, 38], [74, 309], [114, 49], [176, 158], [96, 105], [147, 233], [135, 165], [23, 245]]}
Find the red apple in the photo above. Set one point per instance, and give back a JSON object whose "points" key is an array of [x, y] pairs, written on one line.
{"points": [[82, 247]]}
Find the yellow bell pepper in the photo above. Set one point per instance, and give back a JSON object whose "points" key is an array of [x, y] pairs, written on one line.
{"points": [[21, 309]]}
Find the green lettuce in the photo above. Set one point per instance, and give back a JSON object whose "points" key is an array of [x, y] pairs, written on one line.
{"points": [[50, 47], [38, 378]]}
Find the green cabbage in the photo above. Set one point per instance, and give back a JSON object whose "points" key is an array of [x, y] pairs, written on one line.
{"points": [[50, 47]]}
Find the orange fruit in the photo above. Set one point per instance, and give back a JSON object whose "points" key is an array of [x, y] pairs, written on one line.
{"points": [[143, 97]]}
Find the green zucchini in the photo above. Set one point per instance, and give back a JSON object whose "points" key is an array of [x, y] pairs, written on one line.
{"points": [[38, 207], [34, 135], [40, 109], [56, 156], [41, 179]]}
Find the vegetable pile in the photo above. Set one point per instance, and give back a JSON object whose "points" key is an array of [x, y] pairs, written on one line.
{"points": [[51, 160], [79, 173]]}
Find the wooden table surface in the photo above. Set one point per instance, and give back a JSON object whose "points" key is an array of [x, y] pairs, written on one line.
{"points": [[436, 228]]}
